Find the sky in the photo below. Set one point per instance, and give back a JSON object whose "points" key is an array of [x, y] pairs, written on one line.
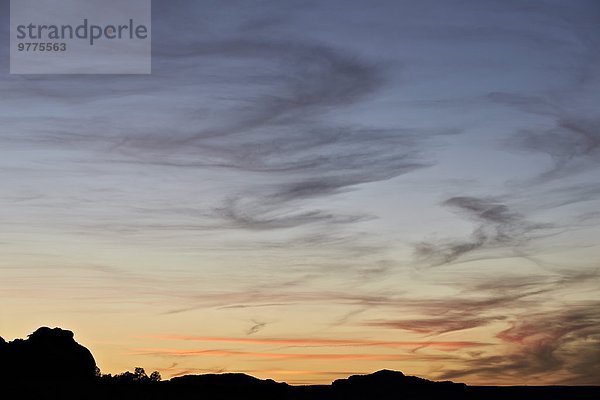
{"points": [[303, 190]]}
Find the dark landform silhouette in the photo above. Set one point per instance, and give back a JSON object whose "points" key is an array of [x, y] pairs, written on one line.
{"points": [[50, 364]]}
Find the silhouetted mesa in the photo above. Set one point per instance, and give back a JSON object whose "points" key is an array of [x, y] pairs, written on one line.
{"points": [[51, 365]]}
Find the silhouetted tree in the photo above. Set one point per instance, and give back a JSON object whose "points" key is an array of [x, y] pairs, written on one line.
{"points": [[155, 377], [137, 376], [140, 375]]}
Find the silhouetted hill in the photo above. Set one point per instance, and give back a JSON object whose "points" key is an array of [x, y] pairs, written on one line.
{"points": [[51, 365], [387, 384], [222, 380], [230, 386]]}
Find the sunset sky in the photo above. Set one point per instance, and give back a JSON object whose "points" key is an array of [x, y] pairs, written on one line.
{"points": [[303, 190]]}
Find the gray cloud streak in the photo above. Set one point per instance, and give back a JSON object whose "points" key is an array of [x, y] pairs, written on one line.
{"points": [[497, 227]]}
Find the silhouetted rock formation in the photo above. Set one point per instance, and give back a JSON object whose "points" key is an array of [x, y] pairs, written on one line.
{"points": [[47, 355]]}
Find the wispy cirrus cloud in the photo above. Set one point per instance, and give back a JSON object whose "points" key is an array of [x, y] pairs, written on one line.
{"points": [[485, 302], [497, 226], [256, 327], [541, 343], [271, 129], [573, 143], [569, 136]]}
